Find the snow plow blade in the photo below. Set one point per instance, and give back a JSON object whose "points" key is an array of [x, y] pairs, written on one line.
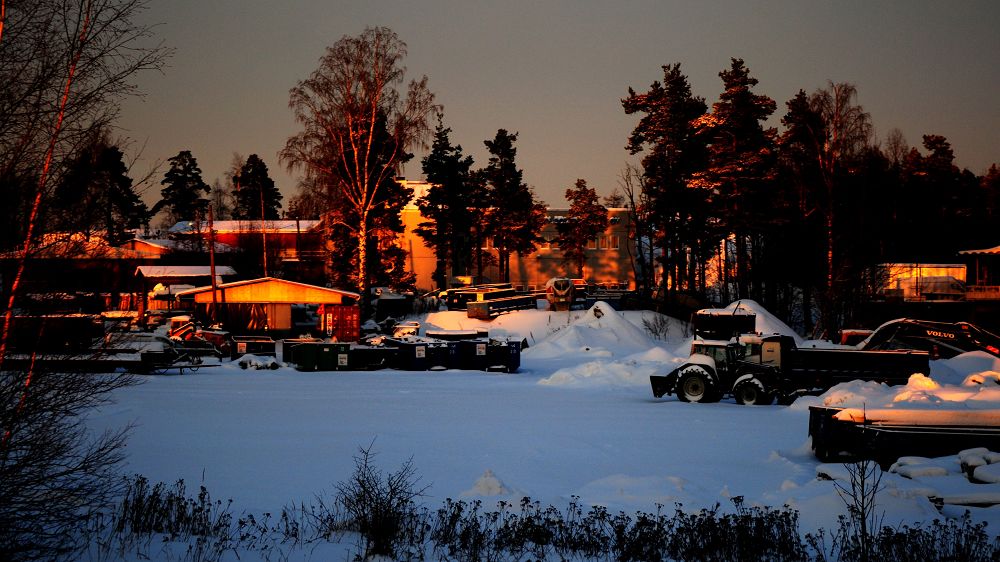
{"points": [[661, 385]]}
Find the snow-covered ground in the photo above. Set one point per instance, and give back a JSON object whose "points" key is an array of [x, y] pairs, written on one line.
{"points": [[578, 419]]}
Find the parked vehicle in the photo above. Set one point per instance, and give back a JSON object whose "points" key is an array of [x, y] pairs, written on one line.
{"points": [[563, 292], [942, 340], [756, 369]]}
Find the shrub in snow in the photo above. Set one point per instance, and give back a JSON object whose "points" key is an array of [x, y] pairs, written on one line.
{"points": [[380, 506]]}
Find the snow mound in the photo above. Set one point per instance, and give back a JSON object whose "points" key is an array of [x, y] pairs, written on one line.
{"points": [[920, 392], [632, 371], [488, 485], [972, 362], [601, 332], [767, 323]]}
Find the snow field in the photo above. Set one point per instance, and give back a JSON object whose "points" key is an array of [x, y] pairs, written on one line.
{"points": [[578, 419]]}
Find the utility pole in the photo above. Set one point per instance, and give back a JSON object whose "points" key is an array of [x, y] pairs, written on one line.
{"points": [[211, 261], [263, 228]]}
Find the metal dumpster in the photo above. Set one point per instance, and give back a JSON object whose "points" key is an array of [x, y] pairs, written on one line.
{"points": [[441, 355], [472, 355], [288, 346], [371, 357], [321, 356], [503, 356], [412, 355], [254, 345]]}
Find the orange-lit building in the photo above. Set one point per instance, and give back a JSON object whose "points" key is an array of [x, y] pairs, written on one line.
{"points": [[609, 259]]}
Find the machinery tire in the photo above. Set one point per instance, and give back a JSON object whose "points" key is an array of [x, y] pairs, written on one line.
{"points": [[752, 392], [695, 385]]}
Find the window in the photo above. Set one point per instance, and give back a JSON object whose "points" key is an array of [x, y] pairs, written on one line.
{"points": [[602, 242], [591, 244], [614, 243]]}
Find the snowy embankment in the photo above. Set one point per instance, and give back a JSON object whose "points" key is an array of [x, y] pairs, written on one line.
{"points": [[578, 419]]}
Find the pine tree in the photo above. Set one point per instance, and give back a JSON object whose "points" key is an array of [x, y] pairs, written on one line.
{"points": [[515, 218], [587, 219], [448, 206], [673, 153], [800, 179], [96, 195], [255, 193], [183, 189], [741, 168]]}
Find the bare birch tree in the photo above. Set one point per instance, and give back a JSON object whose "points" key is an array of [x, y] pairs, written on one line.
{"points": [[64, 67], [358, 128]]}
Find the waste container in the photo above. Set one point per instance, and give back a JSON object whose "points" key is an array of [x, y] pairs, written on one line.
{"points": [[504, 356], [333, 356], [371, 357], [412, 355], [441, 355], [288, 350], [472, 355], [253, 345]]}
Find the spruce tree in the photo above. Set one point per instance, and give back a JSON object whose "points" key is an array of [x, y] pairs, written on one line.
{"points": [[255, 193], [515, 216], [96, 196], [183, 189], [448, 205]]}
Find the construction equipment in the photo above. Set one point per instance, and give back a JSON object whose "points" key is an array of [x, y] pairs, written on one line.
{"points": [[942, 340]]}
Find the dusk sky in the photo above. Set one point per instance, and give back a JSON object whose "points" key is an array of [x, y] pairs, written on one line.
{"points": [[556, 71]]}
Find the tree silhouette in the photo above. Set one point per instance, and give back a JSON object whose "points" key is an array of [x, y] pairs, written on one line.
{"points": [[585, 221], [447, 205], [514, 218], [256, 196], [183, 189], [340, 107]]}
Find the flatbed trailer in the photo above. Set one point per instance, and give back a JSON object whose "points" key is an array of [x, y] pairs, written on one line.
{"points": [[885, 435]]}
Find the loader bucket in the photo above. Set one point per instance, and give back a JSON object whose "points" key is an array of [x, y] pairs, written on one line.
{"points": [[661, 385]]}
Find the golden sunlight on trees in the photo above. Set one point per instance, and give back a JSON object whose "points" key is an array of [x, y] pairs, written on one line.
{"points": [[358, 127]]}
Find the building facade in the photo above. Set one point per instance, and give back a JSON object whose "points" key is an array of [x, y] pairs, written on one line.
{"points": [[609, 262]]}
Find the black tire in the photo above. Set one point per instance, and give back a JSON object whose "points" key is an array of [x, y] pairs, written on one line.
{"points": [[752, 392], [695, 385]]}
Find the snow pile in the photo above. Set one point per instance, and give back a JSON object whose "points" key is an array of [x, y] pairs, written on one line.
{"points": [[767, 323], [488, 485], [972, 477], [631, 371], [601, 332], [979, 391], [602, 348]]}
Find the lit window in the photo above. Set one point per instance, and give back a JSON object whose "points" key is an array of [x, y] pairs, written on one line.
{"points": [[614, 242], [602, 242], [591, 244]]}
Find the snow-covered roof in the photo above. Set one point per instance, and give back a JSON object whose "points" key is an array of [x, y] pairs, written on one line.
{"points": [[984, 252], [270, 226], [170, 244], [183, 270], [66, 245]]}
